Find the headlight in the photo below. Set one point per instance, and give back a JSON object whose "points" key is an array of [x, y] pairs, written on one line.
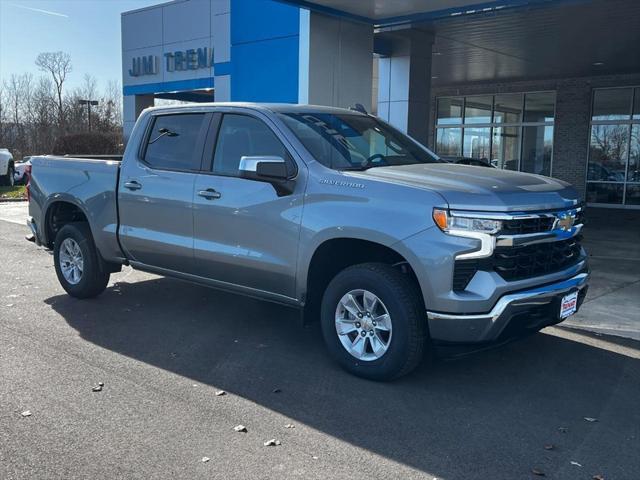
{"points": [[459, 224], [482, 229]]}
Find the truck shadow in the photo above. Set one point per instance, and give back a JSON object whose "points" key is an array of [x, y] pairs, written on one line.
{"points": [[484, 416]]}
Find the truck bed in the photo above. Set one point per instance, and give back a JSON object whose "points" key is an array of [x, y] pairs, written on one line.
{"points": [[90, 183]]}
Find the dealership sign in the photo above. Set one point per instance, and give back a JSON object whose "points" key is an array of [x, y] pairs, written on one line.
{"points": [[179, 60]]}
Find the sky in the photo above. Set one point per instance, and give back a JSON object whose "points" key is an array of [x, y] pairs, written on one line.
{"points": [[89, 30]]}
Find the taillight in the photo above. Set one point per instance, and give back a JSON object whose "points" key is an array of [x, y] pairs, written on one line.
{"points": [[27, 172]]}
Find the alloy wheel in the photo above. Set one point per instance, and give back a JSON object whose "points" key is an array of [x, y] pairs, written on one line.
{"points": [[363, 325], [71, 261]]}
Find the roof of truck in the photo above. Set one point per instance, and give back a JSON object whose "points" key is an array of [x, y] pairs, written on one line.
{"points": [[273, 107]]}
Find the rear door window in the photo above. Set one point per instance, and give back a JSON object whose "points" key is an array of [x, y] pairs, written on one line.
{"points": [[175, 142]]}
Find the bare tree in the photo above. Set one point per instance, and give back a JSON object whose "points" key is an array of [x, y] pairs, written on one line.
{"points": [[36, 114], [112, 102], [2, 114], [18, 97], [58, 64], [42, 134]]}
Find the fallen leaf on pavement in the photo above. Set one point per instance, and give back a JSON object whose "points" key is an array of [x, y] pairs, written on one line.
{"points": [[97, 388], [575, 463], [563, 429], [598, 477], [272, 443], [590, 419], [26, 413], [240, 428], [219, 393], [549, 447], [289, 425], [276, 390], [537, 472], [205, 459]]}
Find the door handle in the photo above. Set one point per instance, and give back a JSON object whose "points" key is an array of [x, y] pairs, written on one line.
{"points": [[132, 185], [209, 194]]}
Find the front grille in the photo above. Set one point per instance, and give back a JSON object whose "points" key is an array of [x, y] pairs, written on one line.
{"points": [[527, 225], [517, 263], [523, 226]]}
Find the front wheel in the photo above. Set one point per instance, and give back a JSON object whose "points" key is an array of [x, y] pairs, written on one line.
{"points": [[373, 321], [77, 262]]}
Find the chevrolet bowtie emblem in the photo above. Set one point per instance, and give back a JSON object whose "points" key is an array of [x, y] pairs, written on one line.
{"points": [[564, 222]]}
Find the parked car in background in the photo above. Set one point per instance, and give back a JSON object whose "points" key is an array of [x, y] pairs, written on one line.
{"points": [[476, 162], [332, 211], [7, 168], [21, 176]]}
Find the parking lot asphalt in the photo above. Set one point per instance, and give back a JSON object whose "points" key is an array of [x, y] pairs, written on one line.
{"points": [[163, 348]]}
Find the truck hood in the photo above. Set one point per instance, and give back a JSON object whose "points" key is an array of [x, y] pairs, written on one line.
{"points": [[467, 187]]}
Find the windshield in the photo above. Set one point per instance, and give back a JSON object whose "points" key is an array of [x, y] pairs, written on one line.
{"points": [[354, 142]]}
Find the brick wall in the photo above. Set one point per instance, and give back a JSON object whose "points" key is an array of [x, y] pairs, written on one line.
{"points": [[573, 113]]}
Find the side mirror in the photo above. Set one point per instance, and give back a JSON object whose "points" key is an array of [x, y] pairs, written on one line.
{"points": [[263, 167]]}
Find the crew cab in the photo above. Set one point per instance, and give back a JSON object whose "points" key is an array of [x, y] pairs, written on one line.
{"points": [[328, 210]]}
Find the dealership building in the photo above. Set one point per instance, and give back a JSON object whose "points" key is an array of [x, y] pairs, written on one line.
{"points": [[542, 86]]}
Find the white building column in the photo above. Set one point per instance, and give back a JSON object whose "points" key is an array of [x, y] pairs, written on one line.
{"points": [[404, 89], [132, 107], [335, 61]]}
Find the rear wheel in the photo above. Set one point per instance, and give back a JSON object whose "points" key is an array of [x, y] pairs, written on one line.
{"points": [[8, 179], [78, 265], [373, 321]]}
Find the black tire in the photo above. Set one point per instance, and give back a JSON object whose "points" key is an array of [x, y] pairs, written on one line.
{"points": [[405, 306], [94, 277]]}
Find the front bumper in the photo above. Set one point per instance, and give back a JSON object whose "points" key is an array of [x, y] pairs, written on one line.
{"points": [[513, 314]]}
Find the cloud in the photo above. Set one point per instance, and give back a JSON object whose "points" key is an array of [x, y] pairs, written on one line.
{"points": [[39, 10]]}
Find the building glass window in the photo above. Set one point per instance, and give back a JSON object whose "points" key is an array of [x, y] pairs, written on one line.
{"points": [[449, 142], [537, 147], [477, 143], [633, 194], [633, 172], [478, 109], [514, 131], [450, 111], [539, 107], [612, 104], [608, 153], [508, 108], [505, 148], [613, 168]]}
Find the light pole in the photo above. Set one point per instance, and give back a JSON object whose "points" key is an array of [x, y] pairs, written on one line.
{"points": [[88, 103]]}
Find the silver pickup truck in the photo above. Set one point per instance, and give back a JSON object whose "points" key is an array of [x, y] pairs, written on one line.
{"points": [[328, 210]]}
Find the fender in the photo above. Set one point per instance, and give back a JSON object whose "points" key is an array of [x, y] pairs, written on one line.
{"points": [[61, 198], [309, 247]]}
